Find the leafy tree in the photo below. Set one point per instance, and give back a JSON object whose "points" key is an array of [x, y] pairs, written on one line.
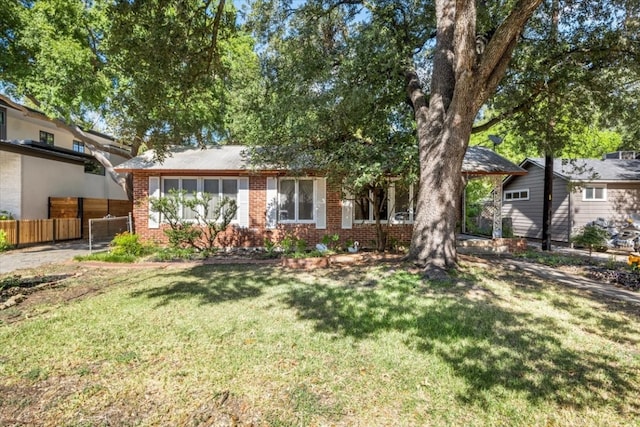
{"points": [[336, 69], [156, 71]]}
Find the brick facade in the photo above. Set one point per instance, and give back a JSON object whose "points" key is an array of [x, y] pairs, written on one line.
{"points": [[255, 233]]}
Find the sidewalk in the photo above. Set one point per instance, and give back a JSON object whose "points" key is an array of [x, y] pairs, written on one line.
{"points": [[40, 255], [580, 282]]}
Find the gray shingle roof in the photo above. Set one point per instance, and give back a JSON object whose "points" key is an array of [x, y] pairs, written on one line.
{"points": [[477, 161], [484, 161], [592, 169], [219, 158]]}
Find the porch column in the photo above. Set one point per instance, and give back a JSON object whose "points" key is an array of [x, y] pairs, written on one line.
{"points": [[497, 207]]}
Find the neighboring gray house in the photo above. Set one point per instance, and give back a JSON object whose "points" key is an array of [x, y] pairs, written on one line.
{"points": [[583, 190]]}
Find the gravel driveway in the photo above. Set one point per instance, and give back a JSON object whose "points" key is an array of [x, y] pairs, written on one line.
{"points": [[36, 256]]}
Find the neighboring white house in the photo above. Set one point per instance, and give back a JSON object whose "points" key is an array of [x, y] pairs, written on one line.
{"points": [[39, 159]]}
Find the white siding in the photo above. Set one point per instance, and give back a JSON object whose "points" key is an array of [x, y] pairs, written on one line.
{"points": [[10, 183]]}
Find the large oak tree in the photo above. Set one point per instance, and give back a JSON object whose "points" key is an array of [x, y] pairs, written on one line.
{"points": [[335, 67]]}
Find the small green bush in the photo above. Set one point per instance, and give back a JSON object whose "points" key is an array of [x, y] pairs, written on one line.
{"points": [[127, 244], [592, 237], [4, 241], [5, 215]]}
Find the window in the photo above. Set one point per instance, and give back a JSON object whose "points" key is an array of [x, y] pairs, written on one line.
{"points": [[513, 195], [219, 188], [93, 167], [3, 124], [194, 187], [46, 137], [295, 200], [594, 193], [78, 146], [396, 202]]}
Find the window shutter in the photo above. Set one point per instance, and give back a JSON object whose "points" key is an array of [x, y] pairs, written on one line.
{"points": [[347, 212], [321, 203], [272, 202], [154, 193], [243, 202]]}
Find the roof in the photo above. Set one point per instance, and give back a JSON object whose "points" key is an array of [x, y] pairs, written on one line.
{"points": [[43, 150], [227, 158], [591, 169], [216, 158], [484, 161]]}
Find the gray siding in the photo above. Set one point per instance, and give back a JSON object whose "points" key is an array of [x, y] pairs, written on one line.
{"points": [[526, 215], [622, 200]]}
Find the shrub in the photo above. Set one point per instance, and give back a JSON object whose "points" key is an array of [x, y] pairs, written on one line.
{"points": [[4, 241], [5, 215], [127, 244], [592, 237], [201, 232]]}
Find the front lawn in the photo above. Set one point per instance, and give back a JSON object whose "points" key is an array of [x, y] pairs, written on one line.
{"points": [[359, 345]]}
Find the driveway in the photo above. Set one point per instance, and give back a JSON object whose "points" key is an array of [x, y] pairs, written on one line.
{"points": [[37, 256]]}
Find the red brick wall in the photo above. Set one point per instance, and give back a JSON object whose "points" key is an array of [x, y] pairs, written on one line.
{"points": [[253, 236]]}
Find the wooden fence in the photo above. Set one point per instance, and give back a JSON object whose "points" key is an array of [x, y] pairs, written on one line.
{"points": [[86, 209], [30, 231]]}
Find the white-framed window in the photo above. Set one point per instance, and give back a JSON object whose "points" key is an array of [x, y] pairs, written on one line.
{"points": [[513, 195], [396, 203], [197, 186], [296, 200], [594, 193]]}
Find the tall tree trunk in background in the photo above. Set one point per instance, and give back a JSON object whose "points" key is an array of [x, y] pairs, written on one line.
{"points": [[547, 204], [461, 82]]}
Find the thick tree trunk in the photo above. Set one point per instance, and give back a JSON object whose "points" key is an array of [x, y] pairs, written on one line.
{"points": [[461, 82]]}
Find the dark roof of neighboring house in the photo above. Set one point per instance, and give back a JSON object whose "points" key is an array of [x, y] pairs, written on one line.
{"points": [[591, 169], [477, 161], [43, 150]]}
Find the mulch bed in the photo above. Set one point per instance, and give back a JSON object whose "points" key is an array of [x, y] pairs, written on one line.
{"points": [[625, 279]]}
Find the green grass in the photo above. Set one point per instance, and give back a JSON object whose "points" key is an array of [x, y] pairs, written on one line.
{"points": [[107, 256], [351, 346]]}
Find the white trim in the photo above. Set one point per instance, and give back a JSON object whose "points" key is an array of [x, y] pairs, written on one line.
{"points": [[295, 220], [507, 195], [320, 203], [272, 203], [154, 193], [594, 187]]}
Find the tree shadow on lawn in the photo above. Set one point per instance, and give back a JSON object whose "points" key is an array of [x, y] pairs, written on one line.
{"points": [[492, 347], [210, 284]]}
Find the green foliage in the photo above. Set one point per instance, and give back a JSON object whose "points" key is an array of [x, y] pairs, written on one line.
{"points": [[5, 215], [200, 232], [177, 253], [270, 247], [4, 241], [591, 237], [127, 244], [107, 256], [331, 241]]}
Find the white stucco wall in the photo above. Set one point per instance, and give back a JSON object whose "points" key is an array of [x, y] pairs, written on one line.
{"points": [[42, 178], [10, 183]]}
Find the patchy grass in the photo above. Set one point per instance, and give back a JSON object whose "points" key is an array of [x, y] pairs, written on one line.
{"points": [[361, 345], [107, 256]]}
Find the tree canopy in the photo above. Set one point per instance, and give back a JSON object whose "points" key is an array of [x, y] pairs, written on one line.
{"points": [[155, 72], [365, 75]]}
